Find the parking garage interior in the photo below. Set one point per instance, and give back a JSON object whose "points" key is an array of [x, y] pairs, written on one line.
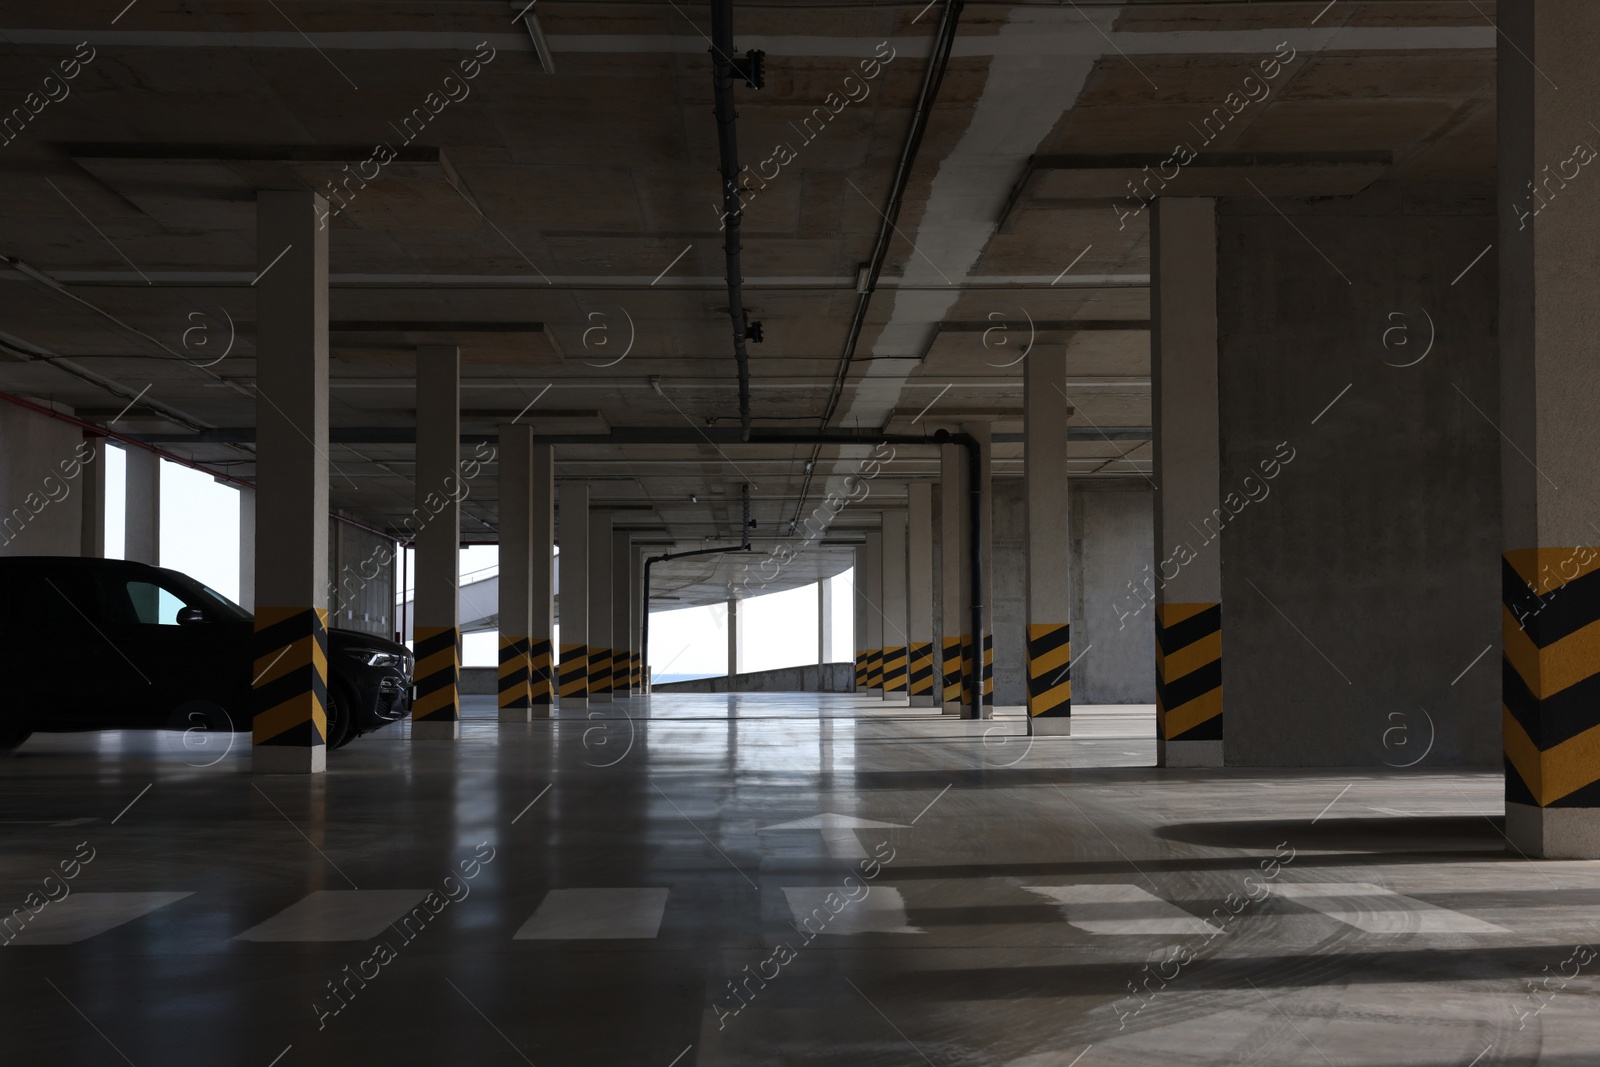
{"points": [[971, 532]]}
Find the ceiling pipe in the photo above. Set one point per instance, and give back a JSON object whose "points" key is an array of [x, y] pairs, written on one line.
{"points": [[724, 71], [932, 79]]}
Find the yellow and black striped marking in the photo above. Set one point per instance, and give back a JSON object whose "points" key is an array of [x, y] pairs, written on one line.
{"points": [[1050, 669], [1550, 679], [874, 668], [541, 672], [1189, 672], [988, 668], [621, 669], [599, 670], [574, 671], [291, 677], [516, 690], [438, 674], [954, 677], [966, 669], [894, 669], [919, 664], [638, 671], [861, 668]]}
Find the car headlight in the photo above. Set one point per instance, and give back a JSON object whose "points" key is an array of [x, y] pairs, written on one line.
{"points": [[374, 657]]}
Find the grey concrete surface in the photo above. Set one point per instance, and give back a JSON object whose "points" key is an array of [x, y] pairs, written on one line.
{"points": [[1361, 606], [810, 678], [1112, 531]]}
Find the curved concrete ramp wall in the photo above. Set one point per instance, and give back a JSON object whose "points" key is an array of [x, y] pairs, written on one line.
{"points": [[812, 678]]}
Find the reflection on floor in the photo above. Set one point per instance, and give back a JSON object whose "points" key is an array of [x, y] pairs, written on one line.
{"points": [[774, 879]]}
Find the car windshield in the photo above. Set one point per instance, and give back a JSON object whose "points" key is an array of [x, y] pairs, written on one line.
{"points": [[209, 598]]}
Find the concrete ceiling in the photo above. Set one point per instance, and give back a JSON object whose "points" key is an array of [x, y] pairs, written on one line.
{"points": [[562, 228]]}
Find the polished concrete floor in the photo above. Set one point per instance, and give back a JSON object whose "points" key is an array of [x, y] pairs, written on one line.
{"points": [[774, 879]]}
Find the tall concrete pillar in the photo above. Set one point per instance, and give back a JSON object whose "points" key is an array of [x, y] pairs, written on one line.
{"points": [[983, 433], [1187, 474], [141, 515], [436, 643], [636, 621], [92, 487], [872, 588], [600, 650], [733, 638], [542, 580], [290, 669], [858, 614], [247, 550], [919, 596], [956, 626], [621, 613], [1550, 421], [573, 672], [516, 572], [1046, 539], [894, 603], [824, 620]]}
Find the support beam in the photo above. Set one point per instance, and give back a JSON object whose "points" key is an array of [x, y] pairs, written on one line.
{"points": [[289, 731], [516, 578], [1046, 535], [824, 620], [894, 603], [247, 551], [636, 621], [858, 613], [600, 650], [1550, 421], [733, 638], [922, 680], [955, 628], [436, 710], [92, 487], [983, 433], [542, 580], [621, 614], [573, 671], [141, 507], [1187, 469], [872, 588]]}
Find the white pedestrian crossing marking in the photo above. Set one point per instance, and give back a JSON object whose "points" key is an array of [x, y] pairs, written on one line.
{"points": [[1377, 910], [83, 915], [1103, 908], [593, 914], [337, 915]]}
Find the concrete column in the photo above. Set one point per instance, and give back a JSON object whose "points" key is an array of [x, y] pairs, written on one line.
{"points": [[141, 520], [92, 493], [955, 625], [984, 434], [872, 589], [919, 596], [858, 602], [289, 731], [542, 580], [621, 613], [574, 596], [1046, 539], [824, 620], [41, 461], [600, 650], [516, 578], [636, 620], [733, 638], [894, 603], [247, 550], [436, 711], [1550, 420], [1187, 474]]}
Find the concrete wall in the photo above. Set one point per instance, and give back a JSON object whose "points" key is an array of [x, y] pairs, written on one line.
{"points": [[811, 678], [1112, 530], [1357, 592], [41, 484]]}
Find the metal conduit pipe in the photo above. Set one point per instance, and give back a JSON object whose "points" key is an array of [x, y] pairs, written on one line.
{"points": [[723, 73]]}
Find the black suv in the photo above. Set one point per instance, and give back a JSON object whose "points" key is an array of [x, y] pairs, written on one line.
{"points": [[106, 644]]}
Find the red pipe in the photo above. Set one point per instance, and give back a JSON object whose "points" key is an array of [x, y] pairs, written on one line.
{"points": [[101, 431]]}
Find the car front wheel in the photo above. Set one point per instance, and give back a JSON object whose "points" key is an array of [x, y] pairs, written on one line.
{"points": [[341, 717]]}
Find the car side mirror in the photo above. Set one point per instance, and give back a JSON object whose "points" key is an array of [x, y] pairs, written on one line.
{"points": [[190, 616]]}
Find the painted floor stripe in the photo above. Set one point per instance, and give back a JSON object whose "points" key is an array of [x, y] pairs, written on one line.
{"points": [[593, 914], [881, 911], [1120, 909], [1377, 910], [83, 915], [337, 915]]}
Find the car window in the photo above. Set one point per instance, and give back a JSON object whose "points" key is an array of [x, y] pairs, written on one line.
{"points": [[153, 605]]}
